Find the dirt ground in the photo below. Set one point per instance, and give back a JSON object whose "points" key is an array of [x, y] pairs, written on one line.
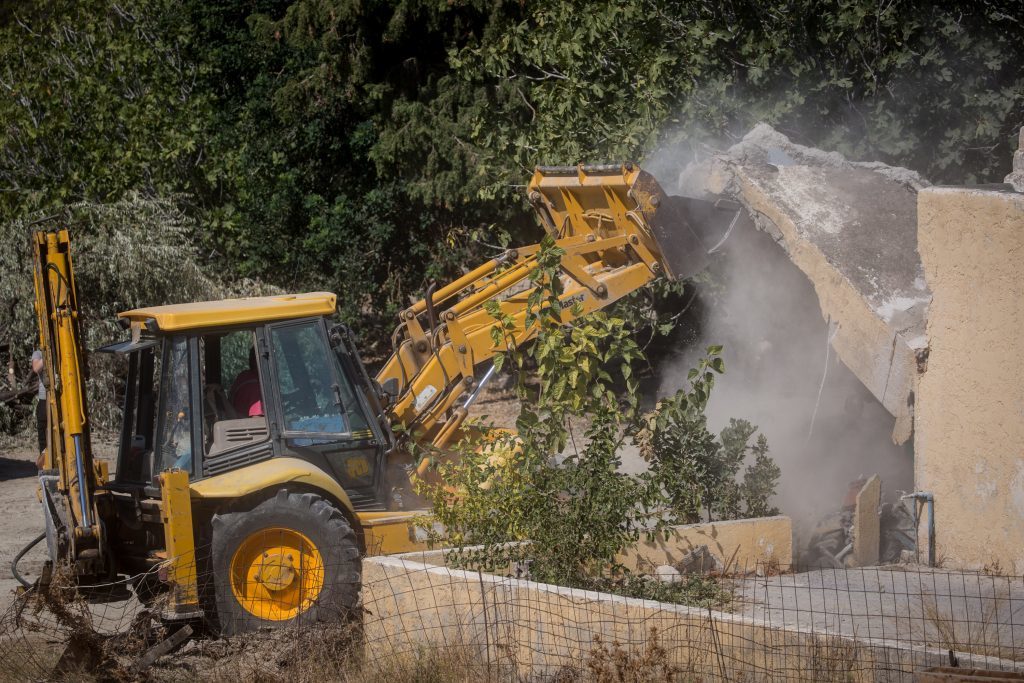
{"points": [[21, 518]]}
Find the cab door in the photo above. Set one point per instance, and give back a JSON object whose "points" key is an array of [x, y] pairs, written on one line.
{"points": [[320, 415]]}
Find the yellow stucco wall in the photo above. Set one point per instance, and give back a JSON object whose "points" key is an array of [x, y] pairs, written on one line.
{"points": [[742, 545], [534, 631], [969, 412]]}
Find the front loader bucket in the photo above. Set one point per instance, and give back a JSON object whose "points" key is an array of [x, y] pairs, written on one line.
{"points": [[584, 200]]}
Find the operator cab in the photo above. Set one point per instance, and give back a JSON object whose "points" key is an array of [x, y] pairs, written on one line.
{"points": [[214, 387]]}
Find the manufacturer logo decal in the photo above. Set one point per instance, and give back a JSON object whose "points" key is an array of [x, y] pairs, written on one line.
{"points": [[424, 396]]}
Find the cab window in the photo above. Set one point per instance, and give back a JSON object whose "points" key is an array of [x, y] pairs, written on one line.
{"points": [[312, 396], [175, 416], [138, 428], [233, 411]]}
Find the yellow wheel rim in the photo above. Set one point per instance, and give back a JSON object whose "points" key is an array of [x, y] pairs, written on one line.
{"points": [[277, 574]]}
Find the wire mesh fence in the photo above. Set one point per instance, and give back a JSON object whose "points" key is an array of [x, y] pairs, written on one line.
{"points": [[415, 617]]}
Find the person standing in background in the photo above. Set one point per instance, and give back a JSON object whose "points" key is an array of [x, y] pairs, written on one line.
{"points": [[41, 422]]}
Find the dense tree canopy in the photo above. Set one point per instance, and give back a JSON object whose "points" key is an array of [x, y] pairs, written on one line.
{"points": [[369, 146], [99, 100]]}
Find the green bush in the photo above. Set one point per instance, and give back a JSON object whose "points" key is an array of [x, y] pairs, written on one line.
{"points": [[553, 495], [100, 100], [369, 148]]}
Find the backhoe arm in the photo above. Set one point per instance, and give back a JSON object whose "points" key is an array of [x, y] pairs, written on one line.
{"points": [[619, 231], [75, 534]]}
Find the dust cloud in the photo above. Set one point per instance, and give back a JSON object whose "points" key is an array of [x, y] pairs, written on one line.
{"points": [[823, 427]]}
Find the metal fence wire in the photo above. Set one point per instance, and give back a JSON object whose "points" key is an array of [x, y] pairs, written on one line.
{"points": [[420, 619]]}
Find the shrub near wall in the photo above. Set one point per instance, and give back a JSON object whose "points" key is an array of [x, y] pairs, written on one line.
{"points": [[558, 484]]}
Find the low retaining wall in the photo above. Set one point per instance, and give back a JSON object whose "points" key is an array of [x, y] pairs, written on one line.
{"points": [[534, 629], [740, 545], [528, 631]]}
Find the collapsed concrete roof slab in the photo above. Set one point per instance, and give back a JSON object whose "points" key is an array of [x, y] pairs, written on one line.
{"points": [[852, 229]]}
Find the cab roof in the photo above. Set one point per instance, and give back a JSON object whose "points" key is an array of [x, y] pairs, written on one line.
{"points": [[255, 309]]}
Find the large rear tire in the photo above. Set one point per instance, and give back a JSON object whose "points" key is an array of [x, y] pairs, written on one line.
{"points": [[290, 559]]}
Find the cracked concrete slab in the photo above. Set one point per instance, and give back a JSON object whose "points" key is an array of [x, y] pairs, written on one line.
{"points": [[866, 523], [851, 227]]}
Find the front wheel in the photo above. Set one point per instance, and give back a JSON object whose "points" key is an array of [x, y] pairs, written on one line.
{"points": [[291, 559]]}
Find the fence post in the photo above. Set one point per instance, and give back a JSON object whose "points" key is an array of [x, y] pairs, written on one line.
{"points": [[717, 645], [487, 628]]}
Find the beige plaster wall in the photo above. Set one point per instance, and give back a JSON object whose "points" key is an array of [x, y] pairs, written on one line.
{"points": [[534, 631], [741, 545], [969, 418]]}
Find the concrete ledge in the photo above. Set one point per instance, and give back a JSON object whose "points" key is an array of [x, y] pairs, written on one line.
{"points": [[743, 545], [534, 630]]}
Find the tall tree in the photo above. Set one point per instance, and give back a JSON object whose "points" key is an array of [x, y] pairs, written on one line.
{"points": [[99, 99], [304, 90]]}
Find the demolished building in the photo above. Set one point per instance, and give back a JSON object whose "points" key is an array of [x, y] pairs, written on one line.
{"points": [[922, 290]]}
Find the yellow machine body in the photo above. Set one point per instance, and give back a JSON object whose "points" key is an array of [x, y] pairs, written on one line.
{"points": [[72, 526], [618, 232], [616, 228], [205, 314], [176, 516]]}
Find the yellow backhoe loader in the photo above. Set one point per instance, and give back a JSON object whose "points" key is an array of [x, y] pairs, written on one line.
{"points": [[255, 447]]}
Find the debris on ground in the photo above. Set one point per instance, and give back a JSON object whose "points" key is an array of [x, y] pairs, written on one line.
{"points": [[885, 530], [700, 560]]}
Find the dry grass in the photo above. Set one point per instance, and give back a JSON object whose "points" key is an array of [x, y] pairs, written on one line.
{"points": [[429, 665], [46, 624], [834, 659], [28, 659], [994, 568], [51, 633], [317, 655], [977, 634], [614, 663]]}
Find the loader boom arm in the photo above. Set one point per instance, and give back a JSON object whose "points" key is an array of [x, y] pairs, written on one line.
{"points": [[618, 231]]}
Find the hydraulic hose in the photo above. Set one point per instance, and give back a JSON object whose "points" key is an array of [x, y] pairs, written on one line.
{"points": [[21, 554], [429, 300]]}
